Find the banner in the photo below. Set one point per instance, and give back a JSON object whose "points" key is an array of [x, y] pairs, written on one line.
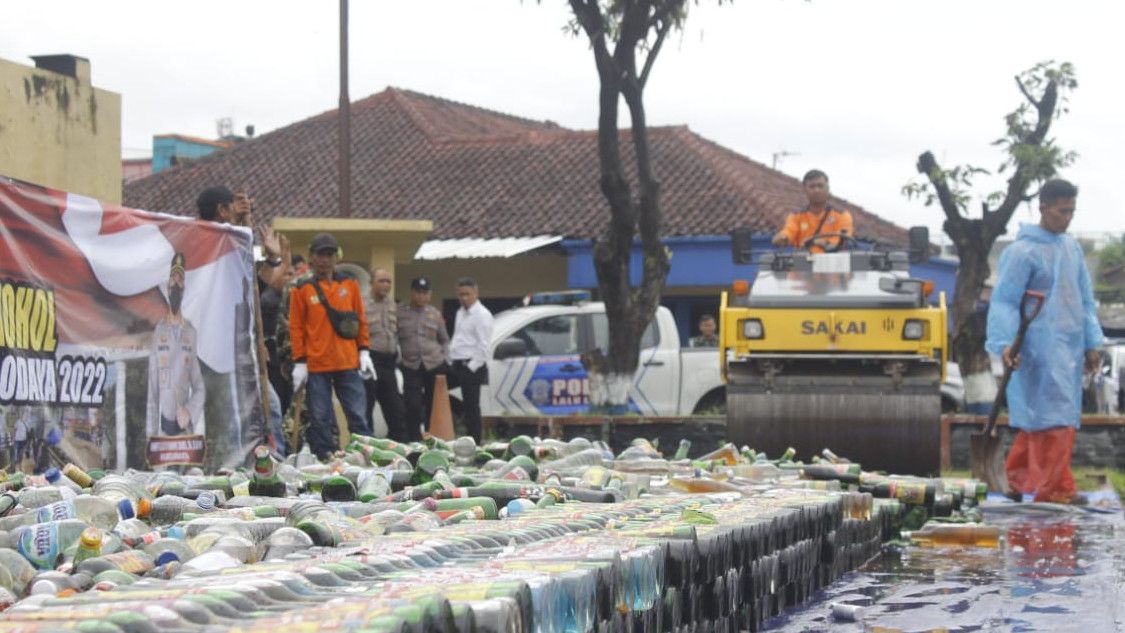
{"points": [[126, 337]]}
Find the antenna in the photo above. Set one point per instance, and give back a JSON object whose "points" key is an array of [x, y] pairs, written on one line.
{"points": [[224, 127], [782, 154]]}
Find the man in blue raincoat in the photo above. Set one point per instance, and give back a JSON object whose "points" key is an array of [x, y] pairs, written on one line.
{"points": [[1045, 394]]}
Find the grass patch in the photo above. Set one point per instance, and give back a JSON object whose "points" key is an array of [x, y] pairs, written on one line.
{"points": [[1087, 477]]}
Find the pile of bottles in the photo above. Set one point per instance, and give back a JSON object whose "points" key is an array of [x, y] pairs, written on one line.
{"points": [[525, 536]]}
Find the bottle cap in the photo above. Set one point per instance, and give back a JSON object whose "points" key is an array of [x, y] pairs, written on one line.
{"points": [[144, 507], [91, 538], [166, 557], [206, 500], [52, 474], [125, 509]]}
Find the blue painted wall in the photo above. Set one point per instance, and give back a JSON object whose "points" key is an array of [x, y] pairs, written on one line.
{"points": [[704, 262], [164, 148]]}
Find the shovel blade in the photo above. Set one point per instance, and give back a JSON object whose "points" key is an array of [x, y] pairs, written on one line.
{"points": [[986, 458]]}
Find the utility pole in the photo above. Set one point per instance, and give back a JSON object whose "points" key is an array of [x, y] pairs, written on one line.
{"points": [[344, 131]]}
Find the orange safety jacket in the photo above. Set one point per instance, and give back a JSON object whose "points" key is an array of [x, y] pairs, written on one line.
{"points": [[311, 334], [801, 226]]}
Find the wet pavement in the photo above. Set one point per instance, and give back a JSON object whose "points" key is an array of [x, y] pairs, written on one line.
{"points": [[1058, 569]]}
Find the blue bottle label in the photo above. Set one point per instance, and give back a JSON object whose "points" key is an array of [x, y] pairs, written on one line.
{"points": [[57, 511], [39, 544]]}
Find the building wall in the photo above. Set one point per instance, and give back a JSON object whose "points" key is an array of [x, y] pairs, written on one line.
{"points": [[171, 147], [502, 281], [60, 131]]}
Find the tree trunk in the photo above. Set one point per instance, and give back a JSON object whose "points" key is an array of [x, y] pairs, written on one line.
{"points": [[970, 315], [628, 310]]}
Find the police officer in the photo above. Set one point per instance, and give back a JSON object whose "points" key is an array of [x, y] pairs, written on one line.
{"points": [[382, 325], [424, 345], [175, 380]]}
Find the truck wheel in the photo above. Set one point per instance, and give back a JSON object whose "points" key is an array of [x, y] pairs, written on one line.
{"points": [[714, 403]]}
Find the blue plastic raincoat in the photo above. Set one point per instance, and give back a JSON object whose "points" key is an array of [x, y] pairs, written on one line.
{"points": [[1046, 389]]}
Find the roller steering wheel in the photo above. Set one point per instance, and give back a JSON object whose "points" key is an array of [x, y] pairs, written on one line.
{"points": [[842, 238]]}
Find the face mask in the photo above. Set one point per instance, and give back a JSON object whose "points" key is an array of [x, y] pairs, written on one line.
{"points": [[175, 297]]}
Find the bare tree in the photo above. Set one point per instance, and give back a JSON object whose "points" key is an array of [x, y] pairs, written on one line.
{"points": [[1031, 157], [626, 37]]}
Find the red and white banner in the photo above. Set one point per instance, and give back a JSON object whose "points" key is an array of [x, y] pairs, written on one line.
{"points": [[126, 337]]}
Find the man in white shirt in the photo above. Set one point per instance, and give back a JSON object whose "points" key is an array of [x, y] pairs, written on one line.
{"points": [[472, 334]]}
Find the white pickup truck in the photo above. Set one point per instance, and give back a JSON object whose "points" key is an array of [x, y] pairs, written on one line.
{"points": [[536, 366]]}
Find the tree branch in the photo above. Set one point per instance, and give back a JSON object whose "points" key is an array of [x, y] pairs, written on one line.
{"points": [[1026, 93], [654, 51], [1017, 184], [928, 167]]}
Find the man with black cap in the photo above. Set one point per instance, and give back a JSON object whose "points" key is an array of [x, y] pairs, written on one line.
{"points": [[175, 379], [328, 334], [424, 345]]}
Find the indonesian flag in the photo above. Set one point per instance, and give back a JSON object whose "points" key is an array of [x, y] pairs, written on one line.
{"points": [[109, 265]]}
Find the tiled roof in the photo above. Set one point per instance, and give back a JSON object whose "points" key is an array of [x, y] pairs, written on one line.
{"points": [[479, 173]]}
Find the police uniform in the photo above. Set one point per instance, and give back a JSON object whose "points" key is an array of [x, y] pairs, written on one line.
{"points": [[174, 380], [424, 345], [382, 327], [703, 341]]}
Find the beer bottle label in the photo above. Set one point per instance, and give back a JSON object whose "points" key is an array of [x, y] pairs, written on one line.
{"points": [[910, 493]]}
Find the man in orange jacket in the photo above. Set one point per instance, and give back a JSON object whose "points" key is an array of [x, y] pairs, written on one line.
{"points": [[820, 226], [329, 344]]}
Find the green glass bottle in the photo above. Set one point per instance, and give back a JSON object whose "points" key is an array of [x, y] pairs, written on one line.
{"points": [[429, 464], [682, 450], [520, 445], [266, 482], [337, 488]]}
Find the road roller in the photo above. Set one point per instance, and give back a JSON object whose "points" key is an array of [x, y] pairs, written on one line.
{"points": [[842, 350]]}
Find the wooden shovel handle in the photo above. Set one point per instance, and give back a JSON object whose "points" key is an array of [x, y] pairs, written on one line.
{"points": [[1031, 303]]}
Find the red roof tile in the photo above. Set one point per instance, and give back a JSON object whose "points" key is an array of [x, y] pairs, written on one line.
{"points": [[478, 173]]}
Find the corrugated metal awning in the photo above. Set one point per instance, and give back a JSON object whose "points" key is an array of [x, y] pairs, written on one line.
{"points": [[475, 248]]}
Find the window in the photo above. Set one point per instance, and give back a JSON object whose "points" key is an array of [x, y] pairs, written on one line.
{"points": [[551, 336], [649, 339]]}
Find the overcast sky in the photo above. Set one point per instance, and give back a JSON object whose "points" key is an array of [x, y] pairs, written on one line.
{"points": [[857, 88]]}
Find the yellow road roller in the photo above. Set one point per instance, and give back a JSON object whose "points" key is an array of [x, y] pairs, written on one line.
{"points": [[839, 350]]}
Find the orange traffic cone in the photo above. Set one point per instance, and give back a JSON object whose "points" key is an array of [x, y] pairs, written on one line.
{"points": [[441, 416]]}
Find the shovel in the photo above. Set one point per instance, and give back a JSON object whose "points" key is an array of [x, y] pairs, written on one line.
{"points": [[985, 457]]}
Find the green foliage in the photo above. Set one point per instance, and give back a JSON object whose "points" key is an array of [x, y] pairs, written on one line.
{"points": [[1110, 258], [1036, 160]]}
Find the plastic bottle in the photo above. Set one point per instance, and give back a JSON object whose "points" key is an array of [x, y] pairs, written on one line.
{"points": [[374, 484], [285, 541], [89, 545], [42, 544], [78, 476], [96, 511], [8, 502], [115, 488], [18, 568], [38, 496]]}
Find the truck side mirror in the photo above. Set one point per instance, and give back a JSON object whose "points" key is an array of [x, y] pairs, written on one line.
{"points": [[741, 245], [919, 244], [510, 348]]}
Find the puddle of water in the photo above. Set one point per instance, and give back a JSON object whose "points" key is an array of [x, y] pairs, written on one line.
{"points": [[1053, 572]]}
